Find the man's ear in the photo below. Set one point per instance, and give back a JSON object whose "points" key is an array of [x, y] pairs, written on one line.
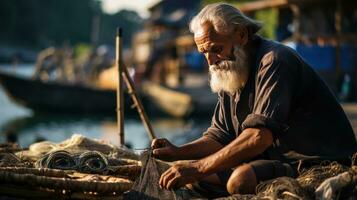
{"points": [[240, 35]]}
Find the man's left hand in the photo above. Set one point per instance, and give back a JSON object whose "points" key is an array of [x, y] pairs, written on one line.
{"points": [[179, 175]]}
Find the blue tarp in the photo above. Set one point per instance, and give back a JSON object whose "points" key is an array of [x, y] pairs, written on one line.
{"points": [[324, 58], [195, 60]]}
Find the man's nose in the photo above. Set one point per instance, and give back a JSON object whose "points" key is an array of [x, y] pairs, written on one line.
{"points": [[212, 58]]}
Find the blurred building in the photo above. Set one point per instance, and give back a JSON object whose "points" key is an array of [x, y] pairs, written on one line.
{"points": [[324, 32], [165, 49], [165, 55]]}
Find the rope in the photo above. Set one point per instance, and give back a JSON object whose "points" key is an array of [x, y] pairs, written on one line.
{"points": [[92, 162], [87, 162], [57, 160]]}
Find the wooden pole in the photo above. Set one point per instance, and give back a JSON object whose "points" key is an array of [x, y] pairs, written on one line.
{"points": [[296, 22], [338, 27], [137, 103], [120, 102]]}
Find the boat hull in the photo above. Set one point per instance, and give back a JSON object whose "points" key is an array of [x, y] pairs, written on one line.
{"points": [[58, 97]]}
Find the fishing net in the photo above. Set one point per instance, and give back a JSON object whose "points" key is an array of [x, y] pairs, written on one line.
{"points": [[92, 162], [9, 148], [326, 181], [90, 167], [342, 186], [77, 144], [330, 180], [57, 160], [312, 177], [147, 185], [88, 162], [79, 168]]}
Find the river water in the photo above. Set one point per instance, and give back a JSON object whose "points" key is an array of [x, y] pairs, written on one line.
{"points": [[20, 124]]}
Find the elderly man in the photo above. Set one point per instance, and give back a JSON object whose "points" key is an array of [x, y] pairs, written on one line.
{"points": [[273, 110]]}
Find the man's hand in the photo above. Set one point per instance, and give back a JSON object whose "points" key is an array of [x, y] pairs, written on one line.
{"points": [[179, 175], [164, 150]]}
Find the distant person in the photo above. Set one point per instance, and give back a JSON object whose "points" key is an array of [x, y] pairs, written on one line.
{"points": [[11, 136], [273, 110]]}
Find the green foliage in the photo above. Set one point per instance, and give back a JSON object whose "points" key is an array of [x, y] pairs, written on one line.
{"points": [[81, 49], [268, 17], [41, 23], [130, 21]]}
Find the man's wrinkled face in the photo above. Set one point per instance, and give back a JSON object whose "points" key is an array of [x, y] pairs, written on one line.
{"points": [[214, 46], [226, 58]]}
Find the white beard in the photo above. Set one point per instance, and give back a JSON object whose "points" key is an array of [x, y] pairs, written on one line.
{"points": [[230, 76]]}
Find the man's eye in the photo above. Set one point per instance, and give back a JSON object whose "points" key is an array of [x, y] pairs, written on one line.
{"points": [[216, 49]]}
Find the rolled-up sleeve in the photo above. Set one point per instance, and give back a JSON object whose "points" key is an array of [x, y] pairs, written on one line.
{"points": [[218, 130], [273, 95]]}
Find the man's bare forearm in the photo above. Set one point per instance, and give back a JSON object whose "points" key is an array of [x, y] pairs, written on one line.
{"points": [[251, 142], [198, 149]]}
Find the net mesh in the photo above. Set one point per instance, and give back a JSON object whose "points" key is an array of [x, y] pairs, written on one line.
{"points": [[147, 185]]}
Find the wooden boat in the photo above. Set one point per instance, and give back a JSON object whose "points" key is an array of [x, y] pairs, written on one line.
{"points": [[181, 101], [192, 97], [58, 97]]}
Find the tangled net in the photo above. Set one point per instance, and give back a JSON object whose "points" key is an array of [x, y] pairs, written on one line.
{"points": [[146, 186], [92, 162], [87, 162], [57, 160], [79, 168], [311, 178], [10, 159], [326, 181], [77, 144]]}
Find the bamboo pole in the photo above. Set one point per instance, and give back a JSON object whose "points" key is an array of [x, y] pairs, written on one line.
{"points": [[338, 27], [38, 171], [120, 104], [137, 103], [105, 184]]}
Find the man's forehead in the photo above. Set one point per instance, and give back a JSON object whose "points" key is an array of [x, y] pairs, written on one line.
{"points": [[208, 35]]}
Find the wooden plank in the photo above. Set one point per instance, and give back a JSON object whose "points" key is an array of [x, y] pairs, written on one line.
{"points": [[264, 4]]}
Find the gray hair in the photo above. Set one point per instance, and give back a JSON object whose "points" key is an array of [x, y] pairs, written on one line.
{"points": [[224, 18]]}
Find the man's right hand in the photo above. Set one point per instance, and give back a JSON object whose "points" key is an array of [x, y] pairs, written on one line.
{"points": [[164, 150]]}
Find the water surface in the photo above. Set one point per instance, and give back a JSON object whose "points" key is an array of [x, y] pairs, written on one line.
{"points": [[25, 127]]}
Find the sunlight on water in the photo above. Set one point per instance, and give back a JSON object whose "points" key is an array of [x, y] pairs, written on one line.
{"points": [[21, 124]]}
